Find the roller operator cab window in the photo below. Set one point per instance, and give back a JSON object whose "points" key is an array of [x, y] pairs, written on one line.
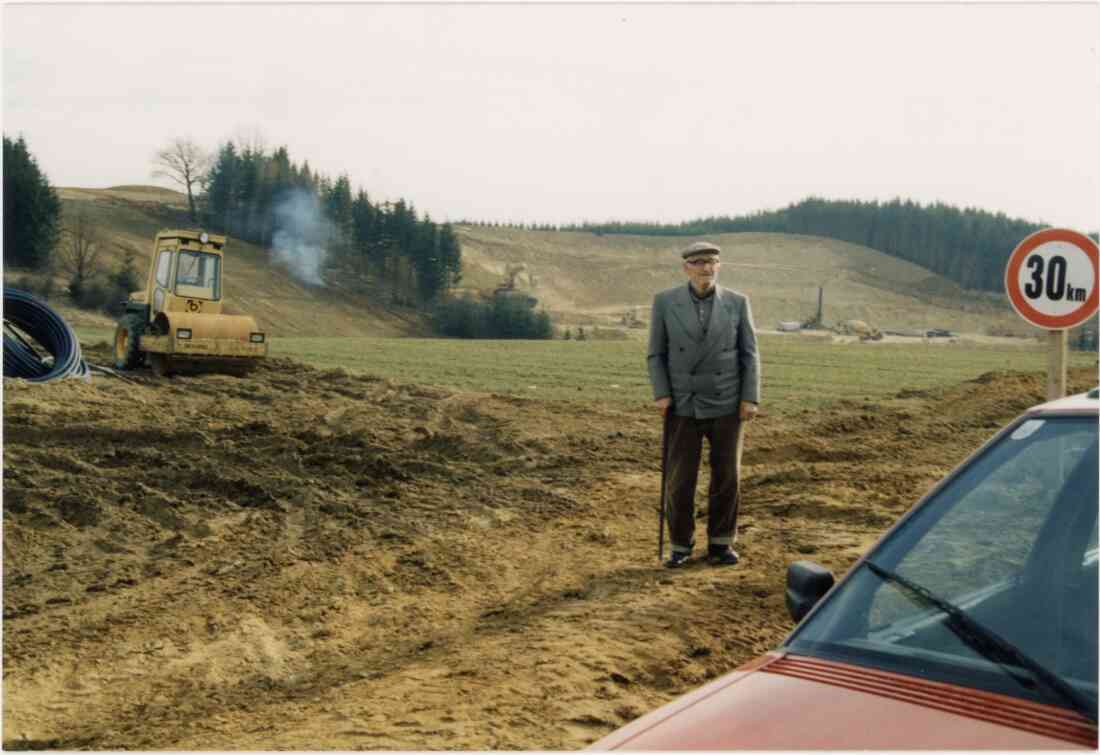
{"points": [[197, 275], [164, 262], [992, 584]]}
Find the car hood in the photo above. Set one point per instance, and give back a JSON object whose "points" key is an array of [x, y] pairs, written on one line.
{"points": [[789, 702]]}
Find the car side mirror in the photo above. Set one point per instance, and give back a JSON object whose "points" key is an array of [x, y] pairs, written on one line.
{"points": [[807, 582]]}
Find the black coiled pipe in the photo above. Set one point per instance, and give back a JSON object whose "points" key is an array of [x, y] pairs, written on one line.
{"points": [[35, 320]]}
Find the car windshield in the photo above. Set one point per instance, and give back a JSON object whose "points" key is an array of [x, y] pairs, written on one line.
{"points": [[197, 275], [992, 583]]}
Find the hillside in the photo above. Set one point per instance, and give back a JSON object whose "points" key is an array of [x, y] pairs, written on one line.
{"points": [[582, 278], [131, 216], [589, 278]]}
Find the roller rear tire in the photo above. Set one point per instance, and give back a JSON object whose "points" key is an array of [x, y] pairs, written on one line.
{"points": [[128, 342]]}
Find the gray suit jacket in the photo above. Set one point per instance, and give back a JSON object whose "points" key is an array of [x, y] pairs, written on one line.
{"points": [[706, 377]]}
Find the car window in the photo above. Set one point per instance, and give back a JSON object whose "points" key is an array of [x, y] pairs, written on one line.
{"points": [[1011, 542], [986, 535]]}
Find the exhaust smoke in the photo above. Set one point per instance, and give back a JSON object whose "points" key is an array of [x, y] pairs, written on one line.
{"points": [[301, 234]]}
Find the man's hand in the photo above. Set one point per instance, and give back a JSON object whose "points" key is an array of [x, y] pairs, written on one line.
{"points": [[662, 404], [748, 411]]}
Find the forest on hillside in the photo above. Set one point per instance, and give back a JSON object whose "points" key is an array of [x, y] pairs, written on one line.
{"points": [[273, 202], [265, 197], [968, 246], [248, 193], [311, 223]]}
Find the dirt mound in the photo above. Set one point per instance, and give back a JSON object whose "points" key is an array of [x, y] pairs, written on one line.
{"points": [[311, 559]]}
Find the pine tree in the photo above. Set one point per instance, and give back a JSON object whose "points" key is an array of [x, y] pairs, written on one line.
{"points": [[221, 189], [32, 210], [431, 272], [281, 173], [305, 178], [248, 194], [450, 253], [337, 203], [364, 234]]}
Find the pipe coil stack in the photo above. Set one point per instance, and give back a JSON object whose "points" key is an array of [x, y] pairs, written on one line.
{"points": [[28, 319]]}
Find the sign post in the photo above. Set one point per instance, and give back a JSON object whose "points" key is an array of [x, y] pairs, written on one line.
{"points": [[1057, 356], [1053, 281]]}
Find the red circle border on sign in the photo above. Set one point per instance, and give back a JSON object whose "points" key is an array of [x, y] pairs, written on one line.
{"points": [[1019, 301]]}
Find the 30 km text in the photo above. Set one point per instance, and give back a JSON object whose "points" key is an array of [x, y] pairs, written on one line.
{"points": [[1051, 280]]}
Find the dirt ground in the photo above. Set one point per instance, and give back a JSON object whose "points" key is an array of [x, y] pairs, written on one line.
{"points": [[303, 559]]}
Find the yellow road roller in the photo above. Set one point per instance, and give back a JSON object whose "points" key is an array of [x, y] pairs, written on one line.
{"points": [[177, 321]]}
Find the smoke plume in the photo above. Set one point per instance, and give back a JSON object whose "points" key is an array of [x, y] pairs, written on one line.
{"points": [[301, 234]]}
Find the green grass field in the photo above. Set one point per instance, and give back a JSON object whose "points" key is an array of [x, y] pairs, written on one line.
{"points": [[799, 373]]}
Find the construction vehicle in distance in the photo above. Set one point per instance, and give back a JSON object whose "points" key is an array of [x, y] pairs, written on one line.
{"points": [[861, 329], [177, 321], [508, 287]]}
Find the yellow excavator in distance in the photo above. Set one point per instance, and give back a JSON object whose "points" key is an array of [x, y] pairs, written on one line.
{"points": [[177, 321]]}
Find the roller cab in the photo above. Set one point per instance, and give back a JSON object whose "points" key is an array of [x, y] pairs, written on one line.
{"points": [[177, 321]]}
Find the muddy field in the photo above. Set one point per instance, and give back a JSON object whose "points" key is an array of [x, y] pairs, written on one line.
{"points": [[303, 559]]}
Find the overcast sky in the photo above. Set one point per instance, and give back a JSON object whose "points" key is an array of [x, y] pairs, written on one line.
{"points": [[567, 112]]}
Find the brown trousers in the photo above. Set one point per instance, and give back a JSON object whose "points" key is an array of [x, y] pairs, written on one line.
{"points": [[685, 450]]}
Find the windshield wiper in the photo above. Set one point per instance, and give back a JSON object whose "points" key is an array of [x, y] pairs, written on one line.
{"points": [[990, 644]]}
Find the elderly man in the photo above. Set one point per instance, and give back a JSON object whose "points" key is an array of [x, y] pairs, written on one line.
{"points": [[705, 373]]}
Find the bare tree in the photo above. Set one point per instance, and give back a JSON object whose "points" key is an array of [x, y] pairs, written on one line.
{"points": [[184, 163], [79, 248]]}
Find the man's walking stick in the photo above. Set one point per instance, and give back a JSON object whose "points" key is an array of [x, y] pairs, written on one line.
{"points": [[664, 465]]}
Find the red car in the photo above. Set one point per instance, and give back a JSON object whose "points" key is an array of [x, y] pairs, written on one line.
{"points": [[972, 623]]}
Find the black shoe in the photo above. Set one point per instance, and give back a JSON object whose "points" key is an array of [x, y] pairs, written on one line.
{"points": [[722, 555], [677, 559]]}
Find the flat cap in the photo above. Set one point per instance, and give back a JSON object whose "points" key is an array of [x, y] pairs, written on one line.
{"points": [[700, 247]]}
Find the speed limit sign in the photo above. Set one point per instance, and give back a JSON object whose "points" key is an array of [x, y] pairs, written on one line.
{"points": [[1051, 279]]}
